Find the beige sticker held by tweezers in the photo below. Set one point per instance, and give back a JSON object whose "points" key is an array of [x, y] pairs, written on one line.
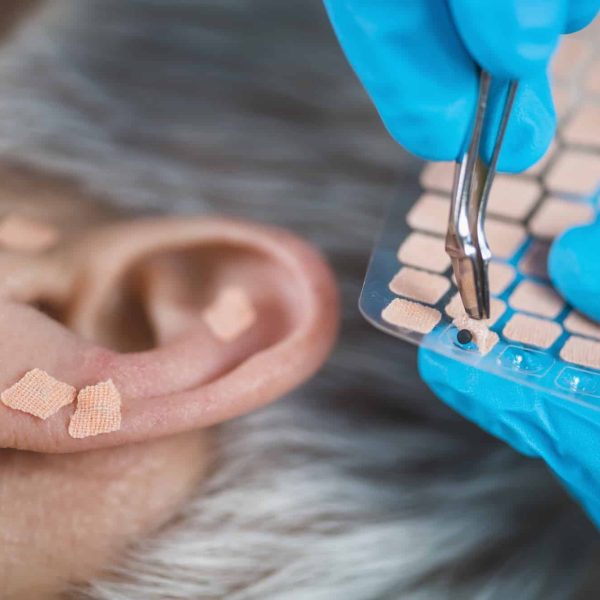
{"points": [[230, 315], [537, 299], [411, 315], [419, 285], [532, 331], [98, 410], [485, 339], [582, 352], [424, 251], [38, 394]]}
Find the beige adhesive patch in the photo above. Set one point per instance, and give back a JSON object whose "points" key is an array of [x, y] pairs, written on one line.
{"points": [[504, 238], [577, 323], [592, 79], [581, 351], [438, 176], [419, 285], [564, 98], [532, 331], [537, 299], [541, 164], [485, 339], [98, 410], [26, 235], [555, 216], [411, 315], [535, 260], [230, 315], [424, 251], [584, 126], [500, 276], [430, 213], [513, 197], [572, 51], [38, 394], [574, 172], [455, 309]]}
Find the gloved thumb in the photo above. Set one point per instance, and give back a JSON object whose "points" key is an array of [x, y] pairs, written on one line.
{"points": [[574, 267]]}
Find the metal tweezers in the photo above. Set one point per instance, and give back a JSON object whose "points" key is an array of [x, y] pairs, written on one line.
{"points": [[466, 242]]}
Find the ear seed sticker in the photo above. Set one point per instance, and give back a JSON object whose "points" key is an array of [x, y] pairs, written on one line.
{"points": [[230, 315], [98, 410], [38, 394]]}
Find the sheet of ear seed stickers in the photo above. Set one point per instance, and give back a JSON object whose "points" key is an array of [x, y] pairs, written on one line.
{"points": [[533, 336]]}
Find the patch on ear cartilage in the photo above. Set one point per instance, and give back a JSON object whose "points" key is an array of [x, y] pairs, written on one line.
{"points": [[230, 315], [38, 394], [22, 234], [98, 410], [485, 339]]}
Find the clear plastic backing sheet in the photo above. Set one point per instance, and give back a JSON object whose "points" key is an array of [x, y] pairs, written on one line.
{"points": [[537, 339]]}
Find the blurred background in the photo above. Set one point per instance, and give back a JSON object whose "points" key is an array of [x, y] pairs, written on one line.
{"points": [[360, 485]]}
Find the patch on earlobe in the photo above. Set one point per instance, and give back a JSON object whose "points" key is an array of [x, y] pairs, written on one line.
{"points": [[98, 410], [230, 315], [26, 235], [38, 394]]}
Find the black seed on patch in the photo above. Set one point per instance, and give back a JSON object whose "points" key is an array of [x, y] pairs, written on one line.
{"points": [[464, 336]]}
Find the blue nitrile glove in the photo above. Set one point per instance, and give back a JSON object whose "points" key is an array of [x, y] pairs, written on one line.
{"points": [[564, 433], [417, 59]]}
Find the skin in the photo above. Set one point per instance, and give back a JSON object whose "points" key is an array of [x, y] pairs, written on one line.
{"points": [[68, 511]]}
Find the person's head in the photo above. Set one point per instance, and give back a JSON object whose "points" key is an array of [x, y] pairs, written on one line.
{"points": [[107, 296]]}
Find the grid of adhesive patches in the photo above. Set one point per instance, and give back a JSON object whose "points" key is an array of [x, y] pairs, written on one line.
{"points": [[524, 214]]}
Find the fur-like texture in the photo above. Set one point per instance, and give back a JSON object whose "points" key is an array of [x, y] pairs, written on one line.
{"points": [[361, 485]]}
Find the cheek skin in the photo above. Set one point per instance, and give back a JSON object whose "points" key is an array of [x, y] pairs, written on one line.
{"points": [[64, 518]]}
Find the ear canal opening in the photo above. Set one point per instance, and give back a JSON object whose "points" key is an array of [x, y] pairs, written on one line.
{"points": [[163, 298]]}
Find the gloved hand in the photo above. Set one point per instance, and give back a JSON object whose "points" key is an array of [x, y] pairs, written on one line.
{"points": [[564, 433], [417, 59]]}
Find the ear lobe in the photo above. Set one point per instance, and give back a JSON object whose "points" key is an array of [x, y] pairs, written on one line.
{"points": [[147, 290]]}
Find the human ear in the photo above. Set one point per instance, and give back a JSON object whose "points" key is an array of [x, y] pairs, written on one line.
{"points": [[142, 290]]}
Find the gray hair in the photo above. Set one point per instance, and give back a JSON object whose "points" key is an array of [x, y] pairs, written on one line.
{"points": [[361, 485]]}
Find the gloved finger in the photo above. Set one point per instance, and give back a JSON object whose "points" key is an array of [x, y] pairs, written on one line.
{"points": [[535, 422], [580, 13], [530, 128], [574, 267], [410, 59], [513, 39]]}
